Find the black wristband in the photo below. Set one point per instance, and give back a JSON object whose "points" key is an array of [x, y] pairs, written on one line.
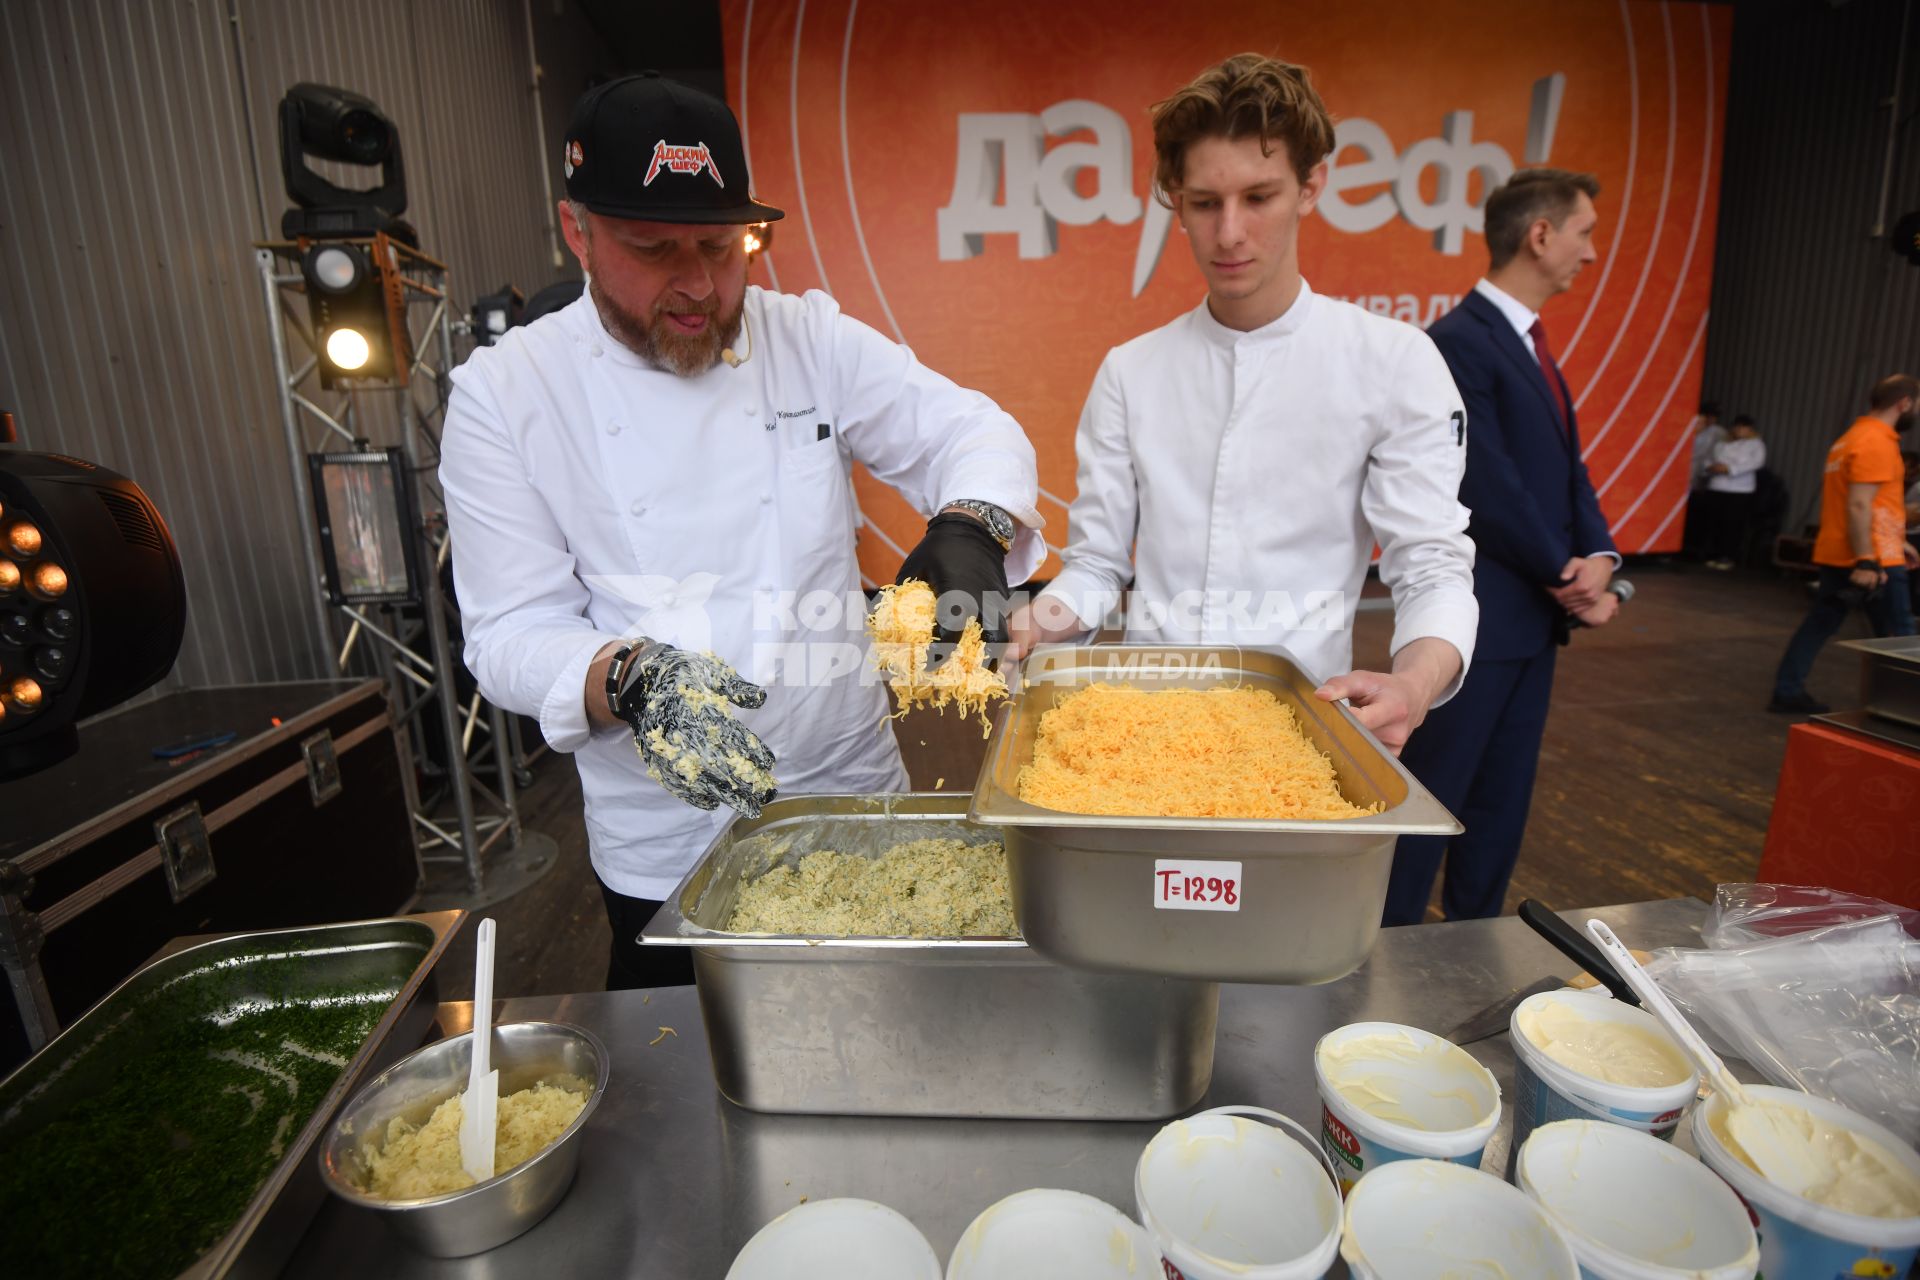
{"points": [[616, 671], [1868, 563]]}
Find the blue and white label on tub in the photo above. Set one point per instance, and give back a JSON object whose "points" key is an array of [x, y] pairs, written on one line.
{"points": [[1792, 1251], [1535, 1102], [1195, 884]]}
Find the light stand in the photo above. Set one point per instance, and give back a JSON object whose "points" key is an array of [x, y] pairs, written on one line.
{"points": [[488, 850]]}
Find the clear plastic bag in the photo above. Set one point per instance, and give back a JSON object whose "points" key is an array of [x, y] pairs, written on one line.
{"points": [[1833, 1010], [1743, 914]]}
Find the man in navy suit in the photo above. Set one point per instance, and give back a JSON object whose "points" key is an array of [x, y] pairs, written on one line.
{"points": [[1543, 553]]}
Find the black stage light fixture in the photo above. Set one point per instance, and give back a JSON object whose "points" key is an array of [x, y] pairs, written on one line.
{"points": [[335, 124], [496, 313], [351, 305], [1906, 237], [92, 601], [562, 293], [364, 504]]}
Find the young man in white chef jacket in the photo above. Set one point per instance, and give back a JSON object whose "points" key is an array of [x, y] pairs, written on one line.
{"points": [[1238, 465], [662, 470]]}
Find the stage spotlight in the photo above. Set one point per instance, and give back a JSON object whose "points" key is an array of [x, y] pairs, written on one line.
{"points": [[348, 305], [335, 124], [348, 348], [92, 602], [496, 313], [759, 239]]}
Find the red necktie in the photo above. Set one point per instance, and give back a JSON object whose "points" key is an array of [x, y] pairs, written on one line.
{"points": [[1550, 371]]}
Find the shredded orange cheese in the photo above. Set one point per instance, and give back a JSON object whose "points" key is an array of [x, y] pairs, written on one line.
{"points": [[1189, 753], [901, 625]]}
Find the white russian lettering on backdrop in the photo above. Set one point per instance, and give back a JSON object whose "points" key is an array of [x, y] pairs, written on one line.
{"points": [[1109, 155], [1379, 166], [995, 149], [1003, 156], [1006, 181], [1454, 157]]}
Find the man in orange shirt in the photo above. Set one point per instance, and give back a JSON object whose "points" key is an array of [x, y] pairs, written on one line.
{"points": [[1863, 552]]}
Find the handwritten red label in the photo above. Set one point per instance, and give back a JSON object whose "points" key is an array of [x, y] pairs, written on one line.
{"points": [[1192, 884]]}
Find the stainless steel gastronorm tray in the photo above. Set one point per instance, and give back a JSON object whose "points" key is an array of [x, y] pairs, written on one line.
{"points": [[389, 960], [1890, 677], [1087, 888], [919, 1027]]}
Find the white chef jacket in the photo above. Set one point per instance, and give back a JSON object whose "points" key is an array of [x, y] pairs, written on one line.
{"points": [[1241, 481], [1742, 460], [592, 496], [1705, 440]]}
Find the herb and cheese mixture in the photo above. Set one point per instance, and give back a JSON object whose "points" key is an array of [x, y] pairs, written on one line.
{"points": [[205, 1095], [1191, 753], [901, 625], [920, 889], [414, 1163]]}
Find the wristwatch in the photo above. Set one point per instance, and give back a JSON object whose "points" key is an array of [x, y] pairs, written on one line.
{"points": [[623, 668], [998, 522]]}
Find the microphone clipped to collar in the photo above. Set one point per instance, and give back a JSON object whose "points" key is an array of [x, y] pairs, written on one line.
{"points": [[746, 331]]}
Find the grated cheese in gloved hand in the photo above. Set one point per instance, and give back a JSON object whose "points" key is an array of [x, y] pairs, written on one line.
{"points": [[902, 624]]}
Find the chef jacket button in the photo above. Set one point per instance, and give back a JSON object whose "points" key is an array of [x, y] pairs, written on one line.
{"points": [[639, 508], [670, 599], [596, 350], [613, 428], [748, 411], [766, 499]]}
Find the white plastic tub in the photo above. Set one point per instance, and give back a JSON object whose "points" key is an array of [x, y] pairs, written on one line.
{"points": [[1226, 1197], [1636, 1208]]}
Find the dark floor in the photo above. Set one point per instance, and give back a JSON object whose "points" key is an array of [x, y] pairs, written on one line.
{"points": [[1655, 781]]}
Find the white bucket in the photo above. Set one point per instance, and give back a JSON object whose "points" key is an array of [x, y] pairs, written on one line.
{"points": [[1545, 1091], [1226, 1198], [1634, 1207], [1053, 1235], [1453, 1101], [1797, 1236], [837, 1240], [1430, 1220]]}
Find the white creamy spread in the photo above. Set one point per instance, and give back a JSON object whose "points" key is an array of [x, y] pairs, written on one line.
{"points": [[1843, 1170], [1371, 1073], [1615, 1052]]}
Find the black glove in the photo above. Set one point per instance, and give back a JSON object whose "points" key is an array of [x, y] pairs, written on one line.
{"points": [[959, 556], [675, 703]]}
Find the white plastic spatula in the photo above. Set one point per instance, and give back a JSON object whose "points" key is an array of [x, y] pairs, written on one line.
{"points": [[480, 1103], [1750, 1121]]}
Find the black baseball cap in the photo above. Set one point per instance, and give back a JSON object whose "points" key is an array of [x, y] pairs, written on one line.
{"points": [[647, 147]]}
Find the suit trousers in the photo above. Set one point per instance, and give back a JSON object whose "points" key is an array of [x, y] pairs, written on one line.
{"points": [[1477, 753]]}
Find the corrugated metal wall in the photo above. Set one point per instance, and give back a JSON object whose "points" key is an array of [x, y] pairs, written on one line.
{"points": [[1808, 308], [139, 160]]}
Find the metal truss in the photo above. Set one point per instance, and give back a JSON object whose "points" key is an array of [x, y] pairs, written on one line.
{"points": [[480, 739]]}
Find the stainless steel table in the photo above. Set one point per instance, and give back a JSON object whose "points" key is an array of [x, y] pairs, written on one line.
{"points": [[674, 1179]]}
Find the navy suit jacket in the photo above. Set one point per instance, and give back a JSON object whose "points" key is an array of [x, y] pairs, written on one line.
{"points": [[1532, 503]]}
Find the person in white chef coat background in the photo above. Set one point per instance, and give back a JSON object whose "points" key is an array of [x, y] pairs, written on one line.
{"points": [[1239, 464], [662, 469]]}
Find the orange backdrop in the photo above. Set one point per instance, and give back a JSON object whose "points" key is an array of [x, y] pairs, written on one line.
{"points": [[865, 121]]}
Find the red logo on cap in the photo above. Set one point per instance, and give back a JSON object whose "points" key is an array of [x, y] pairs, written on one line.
{"points": [[682, 160]]}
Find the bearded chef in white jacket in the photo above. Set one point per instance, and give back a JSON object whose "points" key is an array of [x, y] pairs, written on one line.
{"points": [[662, 469], [1238, 465]]}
